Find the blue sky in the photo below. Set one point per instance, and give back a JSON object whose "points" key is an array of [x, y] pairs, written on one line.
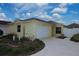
{"points": [[65, 13]]}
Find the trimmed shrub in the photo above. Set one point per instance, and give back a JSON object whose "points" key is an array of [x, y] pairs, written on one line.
{"points": [[24, 39], [75, 38]]}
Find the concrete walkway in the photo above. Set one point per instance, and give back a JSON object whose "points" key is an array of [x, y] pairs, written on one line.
{"points": [[59, 47]]}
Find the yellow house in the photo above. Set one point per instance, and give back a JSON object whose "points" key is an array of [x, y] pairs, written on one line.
{"points": [[36, 28]]}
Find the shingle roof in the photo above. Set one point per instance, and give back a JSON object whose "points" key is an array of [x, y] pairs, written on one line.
{"points": [[34, 19], [51, 22]]}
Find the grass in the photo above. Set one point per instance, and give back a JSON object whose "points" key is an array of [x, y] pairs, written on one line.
{"points": [[22, 47]]}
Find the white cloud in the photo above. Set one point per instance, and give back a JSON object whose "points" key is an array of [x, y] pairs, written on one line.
{"points": [[57, 16], [40, 12], [63, 5], [25, 4], [62, 8], [42, 4], [56, 12], [25, 8], [26, 15], [45, 17], [30, 10], [26, 11], [75, 21], [29, 6], [29, 14], [59, 10], [4, 17]]}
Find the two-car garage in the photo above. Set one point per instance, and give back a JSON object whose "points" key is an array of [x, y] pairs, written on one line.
{"points": [[43, 30]]}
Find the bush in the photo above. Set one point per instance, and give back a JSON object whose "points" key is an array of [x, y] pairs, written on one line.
{"points": [[38, 43], [75, 38], [4, 50], [62, 36], [24, 39], [9, 38], [27, 49], [24, 46]]}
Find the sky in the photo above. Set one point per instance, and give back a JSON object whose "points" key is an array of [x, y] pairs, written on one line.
{"points": [[65, 13]]}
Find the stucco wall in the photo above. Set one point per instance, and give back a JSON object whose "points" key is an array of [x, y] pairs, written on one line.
{"points": [[26, 28], [12, 28], [29, 29]]}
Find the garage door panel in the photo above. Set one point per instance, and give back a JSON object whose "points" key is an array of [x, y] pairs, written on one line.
{"points": [[43, 32]]}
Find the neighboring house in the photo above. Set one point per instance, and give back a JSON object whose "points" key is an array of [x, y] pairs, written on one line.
{"points": [[34, 27], [3, 27], [73, 25], [71, 29]]}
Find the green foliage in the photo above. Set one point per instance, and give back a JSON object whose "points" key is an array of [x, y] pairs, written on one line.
{"points": [[9, 38], [26, 47], [4, 50], [75, 38], [24, 39]]}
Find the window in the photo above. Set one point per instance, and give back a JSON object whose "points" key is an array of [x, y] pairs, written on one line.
{"points": [[58, 30], [19, 28]]}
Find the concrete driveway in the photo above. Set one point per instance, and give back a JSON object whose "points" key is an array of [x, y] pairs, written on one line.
{"points": [[59, 47]]}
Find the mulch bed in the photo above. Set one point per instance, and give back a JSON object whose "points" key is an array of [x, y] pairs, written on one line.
{"points": [[61, 37], [21, 48]]}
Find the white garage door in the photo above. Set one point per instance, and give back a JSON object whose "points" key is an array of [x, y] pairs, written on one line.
{"points": [[43, 32]]}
